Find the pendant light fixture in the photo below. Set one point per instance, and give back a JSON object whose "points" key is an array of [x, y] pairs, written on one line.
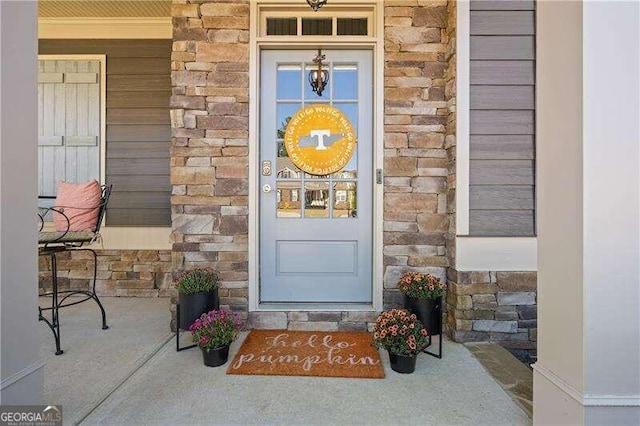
{"points": [[316, 4], [318, 77]]}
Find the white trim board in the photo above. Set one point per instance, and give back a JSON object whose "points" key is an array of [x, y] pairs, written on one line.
{"points": [[496, 254], [586, 399], [130, 238], [135, 238], [105, 28]]}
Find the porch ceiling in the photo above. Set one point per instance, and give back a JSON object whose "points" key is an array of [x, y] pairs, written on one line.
{"points": [[104, 9]]}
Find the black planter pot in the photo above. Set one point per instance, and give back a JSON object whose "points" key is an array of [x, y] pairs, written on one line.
{"points": [[428, 311], [215, 357], [404, 364], [194, 305]]}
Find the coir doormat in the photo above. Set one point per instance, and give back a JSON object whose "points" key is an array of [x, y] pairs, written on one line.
{"points": [[308, 353]]}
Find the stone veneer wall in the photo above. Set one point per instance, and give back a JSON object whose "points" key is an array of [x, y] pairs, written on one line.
{"points": [[128, 273], [209, 164], [209, 169], [450, 139], [415, 158], [209, 153], [493, 306]]}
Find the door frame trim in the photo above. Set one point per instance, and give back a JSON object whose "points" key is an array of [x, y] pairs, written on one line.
{"points": [[256, 44]]}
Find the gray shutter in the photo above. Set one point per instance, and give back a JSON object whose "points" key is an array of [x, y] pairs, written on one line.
{"points": [[69, 123]]}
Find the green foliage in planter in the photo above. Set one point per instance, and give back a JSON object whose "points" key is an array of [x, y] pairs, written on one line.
{"points": [[421, 286], [198, 280]]}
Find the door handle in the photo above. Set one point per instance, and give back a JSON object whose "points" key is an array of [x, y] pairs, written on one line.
{"points": [[266, 188]]}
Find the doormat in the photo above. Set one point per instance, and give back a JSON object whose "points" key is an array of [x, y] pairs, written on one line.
{"points": [[308, 353]]}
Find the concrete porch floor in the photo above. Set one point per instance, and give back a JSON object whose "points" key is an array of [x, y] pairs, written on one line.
{"points": [[166, 387]]}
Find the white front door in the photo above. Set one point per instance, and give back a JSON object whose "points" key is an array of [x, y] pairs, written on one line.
{"points": [[315, 231]]}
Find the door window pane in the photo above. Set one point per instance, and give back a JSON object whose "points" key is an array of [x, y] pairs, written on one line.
{"points": [[350, 171], [316, 199], [284, 112], [288, 204], [350, 109], [288, 82], [345, 79], [345, 196], [287, 170]]}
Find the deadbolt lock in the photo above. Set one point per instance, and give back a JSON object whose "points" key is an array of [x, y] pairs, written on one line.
{"points": [[266, 168]]}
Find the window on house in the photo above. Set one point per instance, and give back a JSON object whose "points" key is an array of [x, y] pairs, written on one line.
{"points": [[341, 195], [294, 195]]}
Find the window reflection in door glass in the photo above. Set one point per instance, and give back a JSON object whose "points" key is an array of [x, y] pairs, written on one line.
{"points": [[345, 199], [350, 171], [288, 199], [287, 170], [316, 199]]}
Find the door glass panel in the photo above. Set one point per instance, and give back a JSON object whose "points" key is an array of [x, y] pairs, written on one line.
{"points": [[350, 171], [288, 84], [301, 194], [345, 78], [287, 170], [345, 196], [288, 199], [284, 112], [316, 199], [350, 109]]}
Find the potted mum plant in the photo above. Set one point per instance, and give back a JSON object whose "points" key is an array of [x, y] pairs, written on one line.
{"points": [[213, 332], [197, 293], [402, 335], [423, 296]]}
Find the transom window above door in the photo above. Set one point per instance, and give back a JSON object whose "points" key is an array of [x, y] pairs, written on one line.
{"points": [[305, 23]]}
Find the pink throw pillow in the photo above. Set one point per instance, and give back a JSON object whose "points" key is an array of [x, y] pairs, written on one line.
{"points": [[80, 202]]}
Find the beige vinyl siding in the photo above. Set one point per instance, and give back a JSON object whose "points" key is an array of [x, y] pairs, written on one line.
{"points": [[138, 128], [502, 119]]}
